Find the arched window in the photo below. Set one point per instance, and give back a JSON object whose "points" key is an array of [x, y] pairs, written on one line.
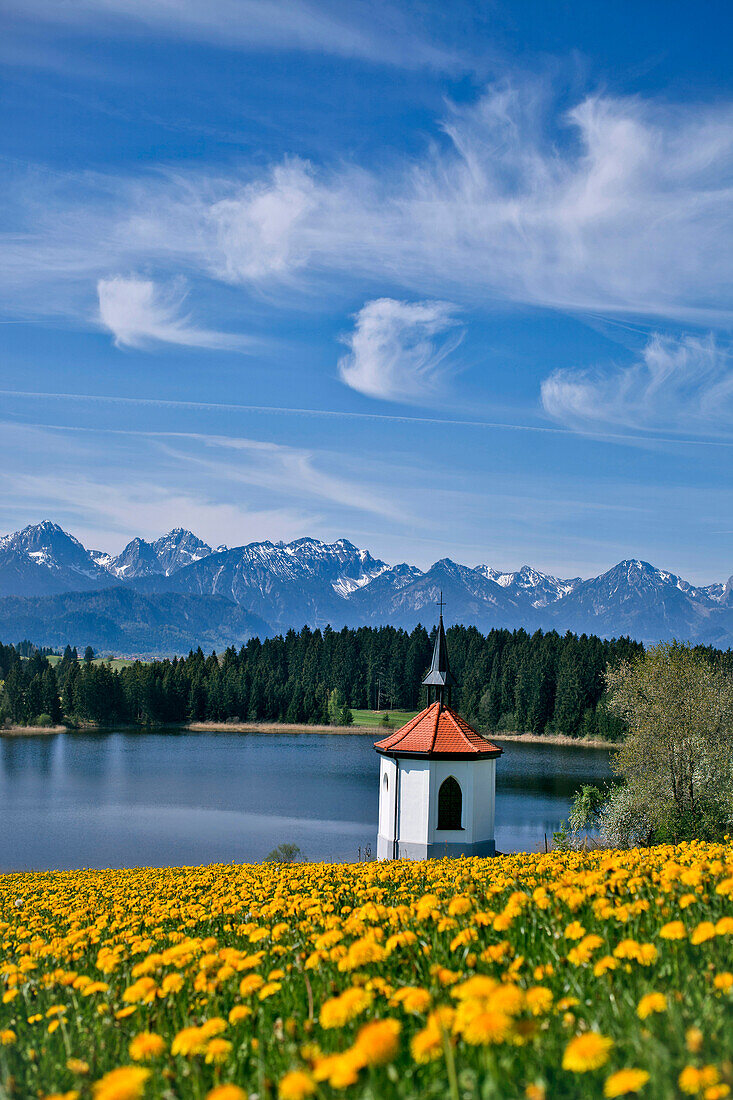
{"points": [[386, 783], [449, 804]]}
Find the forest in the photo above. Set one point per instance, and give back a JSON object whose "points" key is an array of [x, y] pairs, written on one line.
{"points": [[542, 683]]}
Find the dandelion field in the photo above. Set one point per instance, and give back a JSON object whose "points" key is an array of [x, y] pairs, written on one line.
{"points": [[563, 975]]}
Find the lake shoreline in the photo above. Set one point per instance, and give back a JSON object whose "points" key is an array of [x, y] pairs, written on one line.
{"points": [[282, 727]]}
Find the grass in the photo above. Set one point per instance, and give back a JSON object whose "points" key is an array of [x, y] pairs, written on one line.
{"points": [[114, 662], [373, 718], [566, 976]]}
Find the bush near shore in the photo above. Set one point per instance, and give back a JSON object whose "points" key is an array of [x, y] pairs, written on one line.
{"points": [[573, 974]]}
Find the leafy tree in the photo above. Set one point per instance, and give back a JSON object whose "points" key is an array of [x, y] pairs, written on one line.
{"points": [[285, 853], [677, 703]]}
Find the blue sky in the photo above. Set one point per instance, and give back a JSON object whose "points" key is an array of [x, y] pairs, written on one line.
{"points": [[442, 279]]}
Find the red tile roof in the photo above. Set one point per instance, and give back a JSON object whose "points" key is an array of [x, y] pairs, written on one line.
{"points": [[436, 731]]}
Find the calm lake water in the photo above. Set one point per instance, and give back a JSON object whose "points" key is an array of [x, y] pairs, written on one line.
{"points": [[128, 799]]}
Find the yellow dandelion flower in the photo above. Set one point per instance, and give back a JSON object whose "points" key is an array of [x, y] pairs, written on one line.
{"points": [[340, 1070], [172, 983], [574, 931], [477, 988], [339, 1011], [378, 1042], [412, 998], [674, 930], [214, 1026], [78, 1066], [239, 1013], [251, 984], [125, 1083], [694, 1039], [539, 1000], [587, 1052], [296, 1085], [652, 1002], [427, 1044], [724, 981], [146, 1045], [446, 976], [487, 1027], [704, 931], [269, 990], [693, 1080], [217, 1051], [226, 1092], [190, 1040], [625, 1082]]}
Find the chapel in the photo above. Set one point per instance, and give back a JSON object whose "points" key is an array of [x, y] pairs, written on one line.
{"points": [[437, 778]]}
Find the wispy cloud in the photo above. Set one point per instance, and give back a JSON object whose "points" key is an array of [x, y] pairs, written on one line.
{"points": [[618, 205], [397, 350], [677, 384], [138, 312], [259, 232], [294, 473], [106, 519], [227, 488], [362, 29]]}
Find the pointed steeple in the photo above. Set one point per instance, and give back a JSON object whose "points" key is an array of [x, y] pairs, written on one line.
{"points": [[439, 677]]}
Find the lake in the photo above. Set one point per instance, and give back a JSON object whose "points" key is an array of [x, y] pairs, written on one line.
{"points": [[126, 799]]}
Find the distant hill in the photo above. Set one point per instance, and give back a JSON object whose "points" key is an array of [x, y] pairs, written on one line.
{"points": [[284, 585], [122, 620]]}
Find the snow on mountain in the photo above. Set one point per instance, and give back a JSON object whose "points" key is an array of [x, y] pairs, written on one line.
{"points": [[102, 558], [166, 555], [308, 581], [286, 583], [647, 603], [43, 558], [529, 586], [179, 548]]}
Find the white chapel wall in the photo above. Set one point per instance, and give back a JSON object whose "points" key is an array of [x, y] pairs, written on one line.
{"points": [[414, 801]]}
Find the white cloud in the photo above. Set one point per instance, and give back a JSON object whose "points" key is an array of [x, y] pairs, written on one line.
{"points": [[291, 472], [397, 350], [259, 232], [363, 28], [137, 313], [225, 488], [683, 384], [620, 205], [106, 518]]}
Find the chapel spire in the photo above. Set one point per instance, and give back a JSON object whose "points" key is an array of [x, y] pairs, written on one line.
{"points": [[440, 678]]}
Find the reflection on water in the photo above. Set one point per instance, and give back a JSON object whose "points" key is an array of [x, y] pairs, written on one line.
{"points": [[130, 799]]}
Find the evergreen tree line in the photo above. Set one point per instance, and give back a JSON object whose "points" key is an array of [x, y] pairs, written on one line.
{"points": [[507, 680]]}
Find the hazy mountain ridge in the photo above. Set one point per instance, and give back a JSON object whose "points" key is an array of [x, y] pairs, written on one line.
{"points": [[125, 621], [283, 585]]}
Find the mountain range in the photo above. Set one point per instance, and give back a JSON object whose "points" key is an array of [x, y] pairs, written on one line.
{"points": [[176, 592]]}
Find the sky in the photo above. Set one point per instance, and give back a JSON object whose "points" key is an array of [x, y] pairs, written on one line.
{"points": [[444, 280]]}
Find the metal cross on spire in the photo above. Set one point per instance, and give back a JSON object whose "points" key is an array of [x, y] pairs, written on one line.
{"points": [[441, 605]]}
